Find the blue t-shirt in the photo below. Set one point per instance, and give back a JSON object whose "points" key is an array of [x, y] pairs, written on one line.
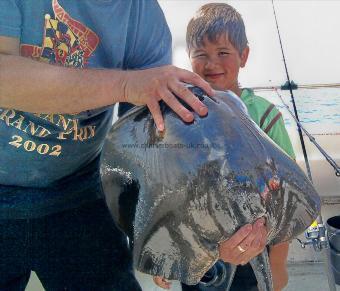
{"points": [[49, 162]]}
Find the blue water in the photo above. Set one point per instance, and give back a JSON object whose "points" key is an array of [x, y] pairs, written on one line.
{"points": [[318, 109]]}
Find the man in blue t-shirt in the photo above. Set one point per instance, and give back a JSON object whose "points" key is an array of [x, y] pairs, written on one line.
{"points": [[63, 65]]}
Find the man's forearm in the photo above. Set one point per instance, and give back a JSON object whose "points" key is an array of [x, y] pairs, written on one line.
{"points": [[32, 86], [37, 87]]}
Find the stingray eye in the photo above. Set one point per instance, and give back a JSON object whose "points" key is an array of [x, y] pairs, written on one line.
{"points": [[274, 183], [198, 92]]}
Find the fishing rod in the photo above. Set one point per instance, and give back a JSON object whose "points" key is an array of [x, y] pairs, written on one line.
{"points": [[289, 83], [329, 159], [316, 234]]}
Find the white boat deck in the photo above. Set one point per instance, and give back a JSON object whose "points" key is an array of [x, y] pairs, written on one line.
{"points": [[302, 277], [306, 272]]}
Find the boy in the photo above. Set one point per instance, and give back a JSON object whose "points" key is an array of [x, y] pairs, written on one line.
{"points": [[217, 46]]}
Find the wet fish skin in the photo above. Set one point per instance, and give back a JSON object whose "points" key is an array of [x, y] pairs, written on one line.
{"points": [[178, 202]]}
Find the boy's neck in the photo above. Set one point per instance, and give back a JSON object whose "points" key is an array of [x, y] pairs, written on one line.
{"points": [[238, 91]]}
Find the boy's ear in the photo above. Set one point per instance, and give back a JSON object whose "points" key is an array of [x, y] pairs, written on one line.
{"points": [[244, 56]]}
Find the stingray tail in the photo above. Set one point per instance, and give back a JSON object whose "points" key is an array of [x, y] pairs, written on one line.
{"points": [[261, 268]]}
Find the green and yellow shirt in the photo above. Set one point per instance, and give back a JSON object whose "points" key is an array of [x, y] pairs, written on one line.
{"points": [[269, 119]]}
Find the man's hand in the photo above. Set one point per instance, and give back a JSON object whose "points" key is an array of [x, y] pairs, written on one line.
{"points": [[245, 244], [163, 83]]}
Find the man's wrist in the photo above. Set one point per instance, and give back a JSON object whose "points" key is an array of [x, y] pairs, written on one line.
{"points": [[120, 90]]}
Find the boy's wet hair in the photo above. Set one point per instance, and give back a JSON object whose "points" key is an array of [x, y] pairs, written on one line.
{"points": [[213, 20]]}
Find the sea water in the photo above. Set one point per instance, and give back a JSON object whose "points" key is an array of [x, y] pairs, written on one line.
{"points": [[319, 113], [318, 109]]}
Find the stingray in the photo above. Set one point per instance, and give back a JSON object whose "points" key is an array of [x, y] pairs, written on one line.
{"points": [[177, 194]]}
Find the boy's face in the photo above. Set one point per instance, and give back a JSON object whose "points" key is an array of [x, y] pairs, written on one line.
{"points": [[219, 63]]}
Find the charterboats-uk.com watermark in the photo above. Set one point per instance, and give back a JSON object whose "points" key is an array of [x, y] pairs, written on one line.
{"points": [[169, 145]]}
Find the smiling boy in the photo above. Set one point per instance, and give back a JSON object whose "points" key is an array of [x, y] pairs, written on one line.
{"points": [[218, 47]]}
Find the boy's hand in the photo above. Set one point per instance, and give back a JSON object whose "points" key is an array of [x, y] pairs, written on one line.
{"points": [[161, 282], [163, 83], [245, 244]]}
